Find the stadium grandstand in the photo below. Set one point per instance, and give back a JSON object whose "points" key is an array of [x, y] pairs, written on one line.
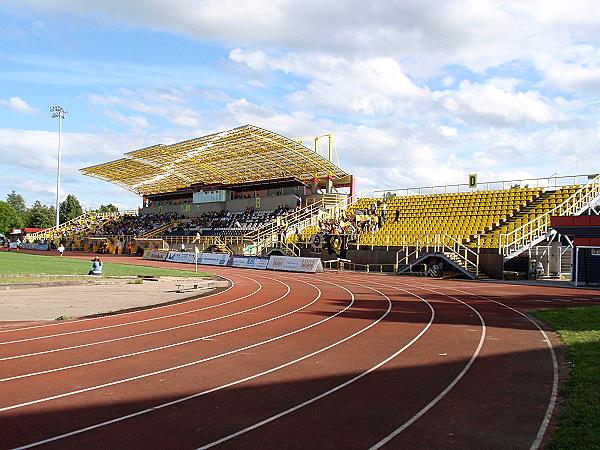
{"points": [[253, 192]]}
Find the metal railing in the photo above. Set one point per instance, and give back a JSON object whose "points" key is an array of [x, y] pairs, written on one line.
{"points": [[341, 265], [440, 243], [269, 235], [518, 239], [546, 183], [156, 231], [399, 240], [50, 233]]}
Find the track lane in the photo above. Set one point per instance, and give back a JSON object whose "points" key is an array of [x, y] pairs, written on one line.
{"points": [[236, 351], [349, 348], [469, 385], [174, 353], [335, 421]]}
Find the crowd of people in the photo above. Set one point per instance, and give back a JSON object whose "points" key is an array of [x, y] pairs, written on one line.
{"points": [[247, 220], [131, 225]]}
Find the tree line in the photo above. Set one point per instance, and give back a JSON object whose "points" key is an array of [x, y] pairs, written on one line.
{"points": [[14, 212]]}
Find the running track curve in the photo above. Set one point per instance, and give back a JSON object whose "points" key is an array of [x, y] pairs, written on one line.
{"points": [[283, 360]]}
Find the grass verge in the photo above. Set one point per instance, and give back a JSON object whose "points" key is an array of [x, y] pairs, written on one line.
{"points": [[579, 420], [22, 263]]}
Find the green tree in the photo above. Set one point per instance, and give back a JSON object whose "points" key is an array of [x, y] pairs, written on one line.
{"points": [[41, 216], [108, 208], [69, 209], [17, 201], [9, 217]]}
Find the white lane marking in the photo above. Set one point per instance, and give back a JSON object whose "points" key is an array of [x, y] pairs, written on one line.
{"points": [[136, 321], [554, 393], [180, 366], [448, 388], [131, 336], [70, 322], [340, 386], [224, 386], [163, 347]]}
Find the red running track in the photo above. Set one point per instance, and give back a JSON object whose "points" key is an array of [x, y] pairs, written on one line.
{"points": [[285, 360]]}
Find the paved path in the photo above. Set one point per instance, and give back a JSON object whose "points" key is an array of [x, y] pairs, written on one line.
{"points": [[293, 361]]}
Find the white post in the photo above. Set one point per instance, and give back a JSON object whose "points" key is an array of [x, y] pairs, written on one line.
{"points": [[58, 173], [60, 113]]}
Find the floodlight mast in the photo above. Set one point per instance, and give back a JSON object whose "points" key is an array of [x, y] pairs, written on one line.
{"points": [[60, 113]]}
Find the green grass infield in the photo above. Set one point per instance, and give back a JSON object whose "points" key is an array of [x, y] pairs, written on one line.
{"points": [[579, 420], [26, 264]]}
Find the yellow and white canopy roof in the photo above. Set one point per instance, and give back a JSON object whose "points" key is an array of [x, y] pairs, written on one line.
{"points": [[247, 154]]}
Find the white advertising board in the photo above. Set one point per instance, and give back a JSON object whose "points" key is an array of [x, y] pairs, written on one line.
{"points": [[213, 259], [250, 262], [182, 257], [295, 264]]}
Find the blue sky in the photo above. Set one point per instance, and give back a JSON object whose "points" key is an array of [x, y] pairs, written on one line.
{"points": [[416, 92]]}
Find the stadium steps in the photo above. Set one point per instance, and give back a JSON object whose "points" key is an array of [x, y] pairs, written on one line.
{"points": [[566, 201], [448, 257], [519, 214], [458, 261]]}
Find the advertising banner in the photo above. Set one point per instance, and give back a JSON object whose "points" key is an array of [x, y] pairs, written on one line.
{"points": [[182, 257], [294, 264], [156, 255], [43, 247], [213, 259], [250, 262]]}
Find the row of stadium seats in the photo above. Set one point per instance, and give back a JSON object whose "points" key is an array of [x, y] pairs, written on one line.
{"points": [[550, 200], [463, 217], [458, 215]]}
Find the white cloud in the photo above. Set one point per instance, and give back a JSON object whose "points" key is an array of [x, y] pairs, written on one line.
{"points": [[17, 104], [130, 121], [169, 103], [491, 104], [448, 132], [31, 157], [368, 86], [446, 31]]}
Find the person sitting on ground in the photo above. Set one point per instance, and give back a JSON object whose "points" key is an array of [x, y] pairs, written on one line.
{"points": [[96, 266]]}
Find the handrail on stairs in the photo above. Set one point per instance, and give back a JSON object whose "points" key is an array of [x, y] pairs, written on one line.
{"points": [[441, 243], [538, 226], [268, 235], [49, 231]]}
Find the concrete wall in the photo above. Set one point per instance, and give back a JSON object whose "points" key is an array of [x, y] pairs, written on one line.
{"points": [[240, 204], [491, 262], [373, 257], [197, 209]]}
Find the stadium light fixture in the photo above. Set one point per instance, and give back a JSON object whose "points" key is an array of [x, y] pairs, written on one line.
{"points": [[60, 113]]}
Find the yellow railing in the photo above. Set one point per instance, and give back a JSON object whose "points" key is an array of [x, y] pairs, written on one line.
{"points": [[50, 233], [521, 237], [157, 231]]}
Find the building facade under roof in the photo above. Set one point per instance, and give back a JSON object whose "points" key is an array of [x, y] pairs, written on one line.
{"points": [[241, 156]]}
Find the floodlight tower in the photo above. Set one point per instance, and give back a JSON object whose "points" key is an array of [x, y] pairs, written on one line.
{"points": [[60, 113]]}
